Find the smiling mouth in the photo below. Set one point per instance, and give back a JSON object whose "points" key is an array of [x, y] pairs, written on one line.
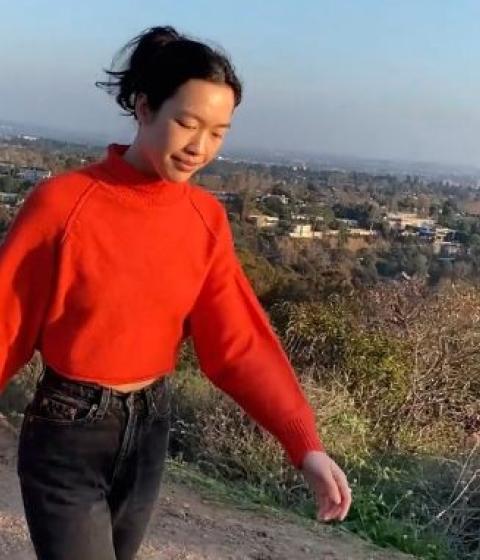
{"points": [[184, 164]]}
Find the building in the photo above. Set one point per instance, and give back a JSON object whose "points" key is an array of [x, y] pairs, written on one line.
{"points": [[362, 232], [305, 231], [280, 197], [8, 198], [432, 234], [302, 231], [225, 196], [33, 174], [347, 222], [448, 250], [262, 221], [6, 168], [401, 220], [441, 233], [301, 218]]}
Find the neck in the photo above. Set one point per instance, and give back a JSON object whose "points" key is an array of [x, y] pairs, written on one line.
{"points": [[134, 157]]}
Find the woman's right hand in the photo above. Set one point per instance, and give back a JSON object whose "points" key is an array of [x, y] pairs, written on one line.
{"points": [[329, 484]]}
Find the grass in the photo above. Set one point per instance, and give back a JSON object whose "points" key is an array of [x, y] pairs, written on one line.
{"points": [[396, 498], [367, 518]]}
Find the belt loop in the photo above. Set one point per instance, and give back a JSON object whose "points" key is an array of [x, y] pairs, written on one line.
{"points": [[104, 402], [42, 374], [149, 398]]}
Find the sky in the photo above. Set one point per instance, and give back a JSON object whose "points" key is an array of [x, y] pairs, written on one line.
{"points": [[386, 79]]}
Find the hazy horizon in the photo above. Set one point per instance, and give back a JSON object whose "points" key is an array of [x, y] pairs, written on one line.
{"points": [[378, 80]]}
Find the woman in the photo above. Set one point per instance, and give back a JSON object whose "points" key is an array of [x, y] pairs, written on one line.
{"points": [[105, 270]]}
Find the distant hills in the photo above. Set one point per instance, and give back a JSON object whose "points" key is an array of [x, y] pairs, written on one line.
{"points": [[310, 160], [319, 161], [12, 129]]}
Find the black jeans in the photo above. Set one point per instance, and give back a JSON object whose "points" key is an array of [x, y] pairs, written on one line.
{"points": [[90, 463]]}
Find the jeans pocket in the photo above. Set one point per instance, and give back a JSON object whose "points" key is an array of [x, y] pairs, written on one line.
{"points": [[56, 407]]}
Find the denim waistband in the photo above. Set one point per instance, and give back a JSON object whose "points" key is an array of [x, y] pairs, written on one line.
{"points": [[52, 379]]}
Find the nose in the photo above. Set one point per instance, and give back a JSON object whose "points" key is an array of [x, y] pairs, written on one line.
{"points": [[197, 145]]}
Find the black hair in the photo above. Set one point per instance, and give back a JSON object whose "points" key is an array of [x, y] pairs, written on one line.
{"points": [[159, 61]]}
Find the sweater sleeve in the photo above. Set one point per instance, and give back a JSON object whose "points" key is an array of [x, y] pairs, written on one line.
{"points": [[27, 256], [240, 353]]}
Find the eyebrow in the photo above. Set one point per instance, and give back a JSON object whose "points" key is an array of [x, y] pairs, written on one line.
{"points": [[195, 116]]}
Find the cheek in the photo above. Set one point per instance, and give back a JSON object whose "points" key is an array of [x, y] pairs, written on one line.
{"points": [[176, 140], [215, 147], [164, 139]]}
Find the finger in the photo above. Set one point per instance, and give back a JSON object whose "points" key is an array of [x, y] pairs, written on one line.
{"points": [[336, 511], [328, 497], [327, 513], [339, 511], [324, 505], [325, 508], [346, 507], [324, 511], [332, 513], [339, 476], [345, 492], [330, 488]]}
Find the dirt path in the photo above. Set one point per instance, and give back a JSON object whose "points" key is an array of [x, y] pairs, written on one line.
{"points": [[187, 527]]}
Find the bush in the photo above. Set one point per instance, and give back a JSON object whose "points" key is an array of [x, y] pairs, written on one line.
{"points": [[19, 392]]}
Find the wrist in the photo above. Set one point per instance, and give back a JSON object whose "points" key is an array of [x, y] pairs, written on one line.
{"points": [[310, 456]]}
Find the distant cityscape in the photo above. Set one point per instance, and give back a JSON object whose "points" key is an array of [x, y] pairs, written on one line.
{"points": [[456, 174], [371, 225]]}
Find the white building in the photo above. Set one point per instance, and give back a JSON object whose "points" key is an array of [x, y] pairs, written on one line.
{"points": [[401, 220], [262, 221], [361, 232], [305, 231]]}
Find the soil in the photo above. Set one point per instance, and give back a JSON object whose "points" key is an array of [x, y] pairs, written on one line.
{"points": [[187, 526]]}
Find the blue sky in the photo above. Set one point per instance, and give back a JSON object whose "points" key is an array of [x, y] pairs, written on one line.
{"points": [[373, 78]]}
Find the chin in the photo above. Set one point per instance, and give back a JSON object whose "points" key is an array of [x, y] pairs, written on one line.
{"points": [[178, 177]]}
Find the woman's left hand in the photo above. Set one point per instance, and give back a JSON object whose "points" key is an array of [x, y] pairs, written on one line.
{"points": [[329, 484]]}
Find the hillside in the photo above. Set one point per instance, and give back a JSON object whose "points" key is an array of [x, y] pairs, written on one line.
{"points": [[189, 526]]}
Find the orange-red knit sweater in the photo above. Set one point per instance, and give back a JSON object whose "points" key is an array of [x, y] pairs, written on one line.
{"points": [[104, 270]]}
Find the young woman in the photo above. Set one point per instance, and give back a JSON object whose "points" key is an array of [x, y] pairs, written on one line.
{"points": [[105, 270]]}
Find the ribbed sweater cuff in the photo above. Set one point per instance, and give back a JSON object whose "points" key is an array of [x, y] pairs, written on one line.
{"points": [[298, 436]]}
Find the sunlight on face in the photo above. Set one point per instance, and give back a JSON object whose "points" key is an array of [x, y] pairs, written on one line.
{"points": [[187, 131]]}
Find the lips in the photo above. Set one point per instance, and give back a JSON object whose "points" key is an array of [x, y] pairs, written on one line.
{"points": [[184, 163]]}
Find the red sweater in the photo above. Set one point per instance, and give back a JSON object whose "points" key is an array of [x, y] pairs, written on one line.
{"points": [[105, 269]]}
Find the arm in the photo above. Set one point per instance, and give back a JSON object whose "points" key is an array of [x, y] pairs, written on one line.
{"points": [[241, 354], [27, 264]]}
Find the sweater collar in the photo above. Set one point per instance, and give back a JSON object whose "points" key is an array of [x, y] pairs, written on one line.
{"points": [[131, 182]]}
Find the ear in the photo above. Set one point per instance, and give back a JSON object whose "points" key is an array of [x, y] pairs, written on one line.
{"points": [[142, 110]]}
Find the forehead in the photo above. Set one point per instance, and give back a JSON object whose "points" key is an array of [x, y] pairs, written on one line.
{"points": [[206, 99]]}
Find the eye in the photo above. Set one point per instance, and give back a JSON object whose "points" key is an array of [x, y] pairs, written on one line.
{"points": [[184, 125], [217, 135]]}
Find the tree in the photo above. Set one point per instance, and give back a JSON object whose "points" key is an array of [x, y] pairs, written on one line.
{"points": [[448, 212], [246, 203], [8, 184]]}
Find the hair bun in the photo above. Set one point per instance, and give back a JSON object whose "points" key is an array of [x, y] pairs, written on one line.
{"points": [[148, 45], [162, 35], [145, 66]]}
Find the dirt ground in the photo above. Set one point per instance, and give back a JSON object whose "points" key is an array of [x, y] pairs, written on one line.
{"points": [[186, 526]]}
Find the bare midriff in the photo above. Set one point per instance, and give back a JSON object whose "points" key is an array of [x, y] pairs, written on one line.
{"points": [[127, 387]]}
